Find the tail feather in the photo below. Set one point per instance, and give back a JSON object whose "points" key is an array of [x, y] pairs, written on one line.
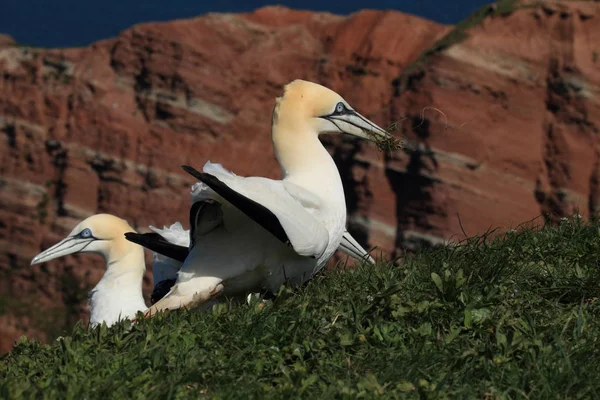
{"points": [[351, 247]]}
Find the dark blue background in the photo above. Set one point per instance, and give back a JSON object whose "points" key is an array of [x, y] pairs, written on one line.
{"points": [[63, 23]]}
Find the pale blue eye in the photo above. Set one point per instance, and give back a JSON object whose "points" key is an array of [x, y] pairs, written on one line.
{"points": [[339, 108], [86, 233]]}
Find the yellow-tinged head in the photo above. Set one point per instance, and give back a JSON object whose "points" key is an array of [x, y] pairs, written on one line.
{"points": [[101, 233], [307, 106]]}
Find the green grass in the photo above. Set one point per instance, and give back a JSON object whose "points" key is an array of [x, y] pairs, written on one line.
{"points": [[516, 316]]}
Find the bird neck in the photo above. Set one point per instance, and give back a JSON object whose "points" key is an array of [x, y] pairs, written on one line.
{"points": [[305, 161], [129, 264], [119, 292]]}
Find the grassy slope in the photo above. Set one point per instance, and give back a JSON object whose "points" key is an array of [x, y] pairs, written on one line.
{"points": [[511, 317]]}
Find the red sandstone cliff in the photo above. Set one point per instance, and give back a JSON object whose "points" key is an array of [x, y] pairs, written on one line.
{"points": [[105, 128]]}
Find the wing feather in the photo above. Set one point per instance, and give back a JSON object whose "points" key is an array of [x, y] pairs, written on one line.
{"points": [[271, 205]]}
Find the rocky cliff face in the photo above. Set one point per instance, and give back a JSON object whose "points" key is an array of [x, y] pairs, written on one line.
{"points": [[500, 113], [521, 94]]}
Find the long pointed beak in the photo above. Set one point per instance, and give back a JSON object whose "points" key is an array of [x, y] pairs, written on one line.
{"points": [[355, 124], [66, 246]]}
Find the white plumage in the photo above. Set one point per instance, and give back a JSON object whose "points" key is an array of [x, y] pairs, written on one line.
{"points": [[118, 295], [163, 267], [247, 234], [253, 233]]}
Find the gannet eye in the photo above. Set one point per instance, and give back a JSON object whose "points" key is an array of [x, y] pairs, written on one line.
{"points": [[339, 108], [86, 233]]}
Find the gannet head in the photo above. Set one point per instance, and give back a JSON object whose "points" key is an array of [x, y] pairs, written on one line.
{"points": [[324, 111], [100, 233]]}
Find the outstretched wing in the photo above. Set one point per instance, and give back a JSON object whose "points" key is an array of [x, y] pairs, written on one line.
{"points": [[271, 205]]}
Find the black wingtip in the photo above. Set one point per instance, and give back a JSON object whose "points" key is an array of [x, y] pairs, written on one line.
{"points": [[192, 171], [156, 243], [143, 239], [133, 237]]}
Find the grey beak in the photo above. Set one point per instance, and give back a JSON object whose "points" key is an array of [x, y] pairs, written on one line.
{"points": [[69, 245]]}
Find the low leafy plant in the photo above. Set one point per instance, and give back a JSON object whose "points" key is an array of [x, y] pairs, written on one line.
{"points": [[515, 316]]}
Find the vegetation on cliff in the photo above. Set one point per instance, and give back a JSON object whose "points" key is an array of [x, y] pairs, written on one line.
{"points": [[511, 316]]}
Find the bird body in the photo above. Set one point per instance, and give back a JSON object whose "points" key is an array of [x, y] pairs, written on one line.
{"points": [[252, 233]]}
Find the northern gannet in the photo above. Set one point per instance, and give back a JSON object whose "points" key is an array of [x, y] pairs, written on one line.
{"points": [[252, 233], [174, 243], [118, 295]]}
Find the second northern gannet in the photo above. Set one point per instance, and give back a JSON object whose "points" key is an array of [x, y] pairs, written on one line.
{"points": [[118, 295], [252, 233]]}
